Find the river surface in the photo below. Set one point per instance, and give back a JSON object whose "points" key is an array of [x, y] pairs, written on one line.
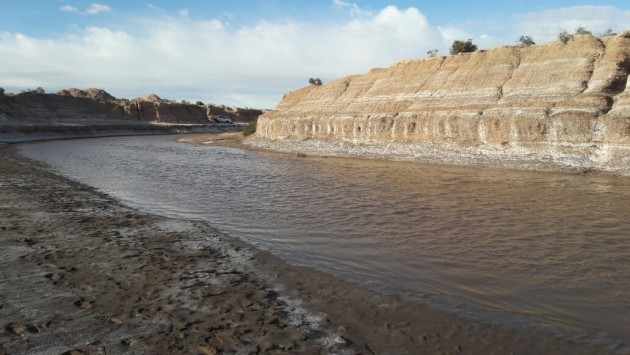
{"points": [[550, 251]]}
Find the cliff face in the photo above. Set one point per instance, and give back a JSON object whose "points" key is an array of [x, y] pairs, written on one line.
{"points": [[550, 107], [93, 112], [33, 108], [150, 108], [162, 112]]}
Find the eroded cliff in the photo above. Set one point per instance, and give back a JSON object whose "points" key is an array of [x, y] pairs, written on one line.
{"points": [[549, 107], [94, 112]]}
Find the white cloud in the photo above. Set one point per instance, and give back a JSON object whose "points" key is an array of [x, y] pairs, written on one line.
{"points": [[354, 9], [155, 8], [68, 8], [93, 9], [544, 26], [183, 12], [96, 9], [180, 58], [451, 33]]}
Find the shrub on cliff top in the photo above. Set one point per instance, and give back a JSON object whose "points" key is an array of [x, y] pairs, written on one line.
{"points": [[39, 90], [463, 47], [608, 33], [315, 81], [565, 37], [526, 40], [582, 31], [249, 129], [432, 53]]}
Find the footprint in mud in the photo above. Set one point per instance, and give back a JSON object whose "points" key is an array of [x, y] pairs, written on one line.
{"points": [[29, 242], [74, 352], [21, 329], [54, 276], [84, 303]]}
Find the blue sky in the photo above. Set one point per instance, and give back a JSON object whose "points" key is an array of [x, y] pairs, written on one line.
{"points": [[251, 52]]}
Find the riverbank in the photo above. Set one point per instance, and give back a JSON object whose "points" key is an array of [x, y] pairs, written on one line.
{"points": [[82, 272], [28, 133]]}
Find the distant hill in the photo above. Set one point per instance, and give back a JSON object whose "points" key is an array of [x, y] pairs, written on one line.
{"points": [[75, 112]]}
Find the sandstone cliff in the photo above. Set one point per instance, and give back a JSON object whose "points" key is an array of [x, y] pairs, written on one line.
{"points": [[150, 108], [94, 112], [549, 107], [162, 112]]}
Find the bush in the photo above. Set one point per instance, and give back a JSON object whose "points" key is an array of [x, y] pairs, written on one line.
{"points": [[39, 90], [526, 40], [608, 33], [199, 103], [315, 81], [565, 37], [463, 47], [432, 53], [249, 129], [582, 31], [1, 91]]}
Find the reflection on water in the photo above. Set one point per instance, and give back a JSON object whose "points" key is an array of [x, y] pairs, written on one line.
{"points": [[543, 249]]}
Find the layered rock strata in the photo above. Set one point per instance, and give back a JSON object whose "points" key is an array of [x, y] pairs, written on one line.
{"points": [[93, 112], [548, 107]]}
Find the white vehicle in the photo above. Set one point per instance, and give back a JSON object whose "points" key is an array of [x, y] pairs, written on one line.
{"points": [[222, 119]]}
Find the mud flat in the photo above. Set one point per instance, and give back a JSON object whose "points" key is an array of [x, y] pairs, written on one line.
{"points": [[81, 273]]}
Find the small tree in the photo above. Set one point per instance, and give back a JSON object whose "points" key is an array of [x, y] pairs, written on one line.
{"points": [[565, 37], [315, 81], [526, 40], [249, 129], [432, 53], [1, 91], [40, 90], [199, 103], [608, 33], [582, 31], [463, 47]]}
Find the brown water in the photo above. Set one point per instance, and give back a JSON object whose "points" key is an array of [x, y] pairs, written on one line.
{"points": [[550, 251]]}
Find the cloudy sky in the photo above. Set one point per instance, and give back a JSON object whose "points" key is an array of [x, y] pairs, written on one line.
{"points": [[251, 52]]}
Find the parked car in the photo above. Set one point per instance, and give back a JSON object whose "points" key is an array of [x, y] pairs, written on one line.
{"points": [[222, 119]]}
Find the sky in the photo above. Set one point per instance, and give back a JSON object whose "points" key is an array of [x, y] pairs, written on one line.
{"points": [[249, 53]]}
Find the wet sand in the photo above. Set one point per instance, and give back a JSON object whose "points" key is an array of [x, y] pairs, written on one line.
{"points": [[82, 273]]}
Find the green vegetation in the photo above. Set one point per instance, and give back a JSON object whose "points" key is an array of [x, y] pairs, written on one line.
{"points": [[582, 31], [463, 47], [39, 90], [249, 129], [565, 37], [608, 33], [315, 81], [432, 53], [526, 40]]}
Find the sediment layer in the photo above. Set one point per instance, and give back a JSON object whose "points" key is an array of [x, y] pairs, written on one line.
{"points": [[93, 112], [548, 107]]}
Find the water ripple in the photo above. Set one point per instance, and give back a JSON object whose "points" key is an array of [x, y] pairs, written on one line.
{"points": [[550, 247]]}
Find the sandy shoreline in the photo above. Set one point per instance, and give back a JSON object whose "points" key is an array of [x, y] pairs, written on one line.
{"points": [[81, 272]]}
